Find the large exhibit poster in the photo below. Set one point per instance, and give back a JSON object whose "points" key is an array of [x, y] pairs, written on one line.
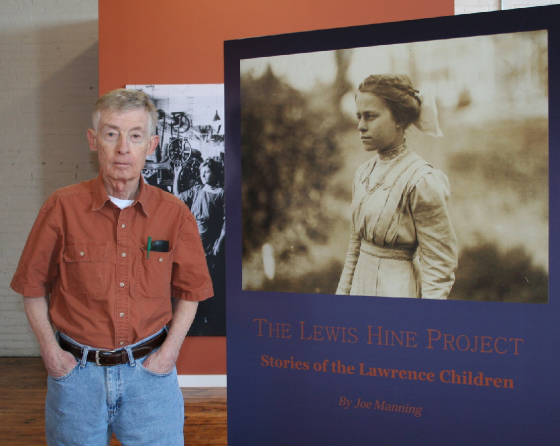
{"points": [[189, 163], [329, 242]]}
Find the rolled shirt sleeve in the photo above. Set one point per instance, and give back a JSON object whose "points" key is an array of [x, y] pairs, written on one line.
{"points": [[38, 264]]}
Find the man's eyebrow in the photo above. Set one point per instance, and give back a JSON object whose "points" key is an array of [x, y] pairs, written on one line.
{"points": [[111, 126], [116, 127]]}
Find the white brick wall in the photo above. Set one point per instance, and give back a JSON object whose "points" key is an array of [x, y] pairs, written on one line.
{"points": [[48, 83], [472, 6]]}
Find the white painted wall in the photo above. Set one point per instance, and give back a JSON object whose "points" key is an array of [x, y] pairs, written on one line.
{"points": [[472, 6], [48, 83]]}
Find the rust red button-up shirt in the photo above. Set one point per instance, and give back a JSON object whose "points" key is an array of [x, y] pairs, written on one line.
{"points": [[91, 259]]}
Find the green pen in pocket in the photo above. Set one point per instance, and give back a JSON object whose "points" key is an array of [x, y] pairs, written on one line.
{"points": [[149, 247]]}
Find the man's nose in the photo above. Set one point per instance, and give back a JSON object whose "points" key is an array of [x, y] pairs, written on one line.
{"points": [[122, 144]]}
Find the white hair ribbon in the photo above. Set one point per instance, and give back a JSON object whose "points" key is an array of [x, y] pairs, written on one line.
{"points": [[428, 121]]}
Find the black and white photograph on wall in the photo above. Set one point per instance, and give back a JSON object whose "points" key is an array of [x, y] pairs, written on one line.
{"points": [[416, 169], [189, 163]]}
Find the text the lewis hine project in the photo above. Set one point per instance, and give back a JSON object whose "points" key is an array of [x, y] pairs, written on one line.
{"points": [[383, 337]]}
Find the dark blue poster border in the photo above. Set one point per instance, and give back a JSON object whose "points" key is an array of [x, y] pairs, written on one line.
{"points": [[291, 383]]}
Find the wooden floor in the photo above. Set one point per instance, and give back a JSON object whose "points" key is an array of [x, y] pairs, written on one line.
{"points": [[22, 397]]}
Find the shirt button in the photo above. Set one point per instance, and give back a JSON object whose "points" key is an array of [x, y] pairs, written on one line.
{"points": [[121, 314], [123, 226], [121, 284], [121, 343], [161, 259], [82, 253], [123, 254]]}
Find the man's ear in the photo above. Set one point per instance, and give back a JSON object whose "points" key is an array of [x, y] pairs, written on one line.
{"points": [[92, 140], [154, 141]]}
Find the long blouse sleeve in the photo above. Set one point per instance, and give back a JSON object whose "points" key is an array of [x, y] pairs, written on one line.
{"points": [[353, 250], [352, 253], [437, 243]]}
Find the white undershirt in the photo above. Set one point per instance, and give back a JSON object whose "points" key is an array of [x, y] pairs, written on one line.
{"points": [[120, 203]]}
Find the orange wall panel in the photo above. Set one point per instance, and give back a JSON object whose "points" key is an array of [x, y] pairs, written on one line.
{"points": [[181, 42], [178, 41]]}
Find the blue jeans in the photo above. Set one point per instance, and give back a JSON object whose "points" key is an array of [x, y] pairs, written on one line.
{"points": [[91, 402]]}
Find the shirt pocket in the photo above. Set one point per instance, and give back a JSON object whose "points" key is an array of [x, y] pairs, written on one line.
{"points": [[87, 269], [153, 274]]}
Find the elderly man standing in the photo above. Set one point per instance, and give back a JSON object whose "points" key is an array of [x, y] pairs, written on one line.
{"points": [[101, 264]]}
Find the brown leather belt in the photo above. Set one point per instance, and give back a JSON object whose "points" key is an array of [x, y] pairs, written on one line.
{"points": [[114, 357]]}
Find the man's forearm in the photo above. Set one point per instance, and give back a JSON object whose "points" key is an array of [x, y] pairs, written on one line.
{"points": [[37, 310], [183, 315], [164, 359], [57, 361]]}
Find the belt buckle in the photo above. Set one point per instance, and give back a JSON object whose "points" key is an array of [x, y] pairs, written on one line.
{"points": [[97, 356]]}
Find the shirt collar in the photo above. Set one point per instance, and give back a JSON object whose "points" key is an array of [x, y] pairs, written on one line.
{"points": [[145, 199], [100, 196]]}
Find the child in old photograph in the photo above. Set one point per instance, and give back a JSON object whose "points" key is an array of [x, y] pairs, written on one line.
{"points": [[402, 242]]}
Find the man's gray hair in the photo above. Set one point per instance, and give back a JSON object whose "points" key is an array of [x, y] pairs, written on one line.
{"points": [[126, 100]]}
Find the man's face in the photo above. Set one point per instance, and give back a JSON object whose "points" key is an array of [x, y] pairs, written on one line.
{"points": [[122, 142]]}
